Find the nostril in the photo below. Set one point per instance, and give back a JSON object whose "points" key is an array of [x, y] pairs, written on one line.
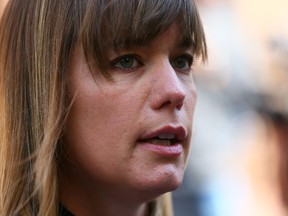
{"points": [[178, 99], [180, 105], [166, 104]]}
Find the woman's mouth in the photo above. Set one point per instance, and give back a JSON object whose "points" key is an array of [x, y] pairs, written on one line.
{"points": [[167, 141], [163, 139]]}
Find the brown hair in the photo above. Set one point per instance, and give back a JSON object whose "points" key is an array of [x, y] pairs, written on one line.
{"points": [[281, 126], [277, 123], [36, 40], [123, 23]]}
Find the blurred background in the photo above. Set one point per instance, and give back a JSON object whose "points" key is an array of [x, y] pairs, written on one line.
{"points": [[238, 163], [239, 146]]}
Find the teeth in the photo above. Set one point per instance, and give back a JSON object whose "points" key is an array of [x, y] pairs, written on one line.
{"points": [[164, 142], [166, 136]]}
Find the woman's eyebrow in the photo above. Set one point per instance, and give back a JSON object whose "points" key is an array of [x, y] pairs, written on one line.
{"points": [[186, 43]]}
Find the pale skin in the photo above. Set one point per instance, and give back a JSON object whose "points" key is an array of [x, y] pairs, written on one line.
{"points": [[114, 167]]}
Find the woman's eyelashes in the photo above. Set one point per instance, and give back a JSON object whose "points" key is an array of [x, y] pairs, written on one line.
{"points": [[182, 62], [126, 62], [132, 61]]}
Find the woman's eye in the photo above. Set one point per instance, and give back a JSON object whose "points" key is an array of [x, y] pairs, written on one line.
{"points": [[126, 62], [182, 62]]}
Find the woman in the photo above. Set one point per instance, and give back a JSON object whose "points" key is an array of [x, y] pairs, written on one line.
{"points": [[98, 103]]}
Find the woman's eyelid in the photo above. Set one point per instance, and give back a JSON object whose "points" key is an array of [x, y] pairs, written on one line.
{"points": [[119, 57], [187, 56], [183, 52]]}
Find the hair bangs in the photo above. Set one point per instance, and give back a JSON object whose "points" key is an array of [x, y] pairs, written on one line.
{"points": [[116, 24]]}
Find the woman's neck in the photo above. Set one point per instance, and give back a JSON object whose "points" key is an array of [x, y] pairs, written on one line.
{"points": [[86, 199]]}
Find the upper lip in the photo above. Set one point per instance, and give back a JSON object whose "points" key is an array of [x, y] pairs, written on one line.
{"points": [[179, 132]]}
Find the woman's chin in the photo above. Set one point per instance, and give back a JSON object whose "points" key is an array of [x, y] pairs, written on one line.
{"points": [[160, 184], [168, 184]]}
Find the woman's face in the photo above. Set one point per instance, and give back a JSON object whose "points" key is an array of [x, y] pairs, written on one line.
{"points": [[132, 134]]}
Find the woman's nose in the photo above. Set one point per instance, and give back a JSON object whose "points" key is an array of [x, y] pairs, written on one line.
{"points": [[168, 89]]}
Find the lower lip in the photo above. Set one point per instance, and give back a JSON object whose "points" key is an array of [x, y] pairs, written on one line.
{"points": [[168, 151]]}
